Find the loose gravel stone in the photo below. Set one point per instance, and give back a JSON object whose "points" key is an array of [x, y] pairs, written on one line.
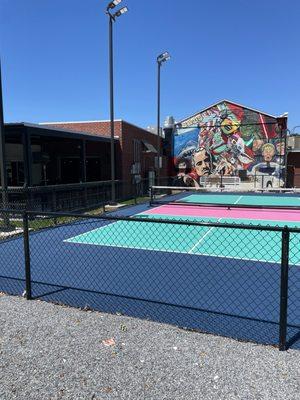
{"points": [[54, 352]]}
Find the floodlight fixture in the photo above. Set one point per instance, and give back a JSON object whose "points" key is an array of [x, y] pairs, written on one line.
{"points": [[121, 11], [113, 4], [163, 57]]}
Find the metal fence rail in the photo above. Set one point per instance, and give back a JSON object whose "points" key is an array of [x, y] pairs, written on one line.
{"points": [[235, 280], [86, 196], [71, 197]]}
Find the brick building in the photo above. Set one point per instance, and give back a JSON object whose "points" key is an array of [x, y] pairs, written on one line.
{"points": [[136, 148], [74, 152]]}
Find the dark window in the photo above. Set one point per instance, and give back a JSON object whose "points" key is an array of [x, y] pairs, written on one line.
{"points": [[136, 151]]}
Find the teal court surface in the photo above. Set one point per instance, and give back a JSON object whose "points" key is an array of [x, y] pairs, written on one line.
{"points": [[205, 240]]}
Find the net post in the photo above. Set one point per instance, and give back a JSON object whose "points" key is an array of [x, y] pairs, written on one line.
{"points": [[28, 292], [103, 198], [135, 192], [284, 288], [151, 195]]}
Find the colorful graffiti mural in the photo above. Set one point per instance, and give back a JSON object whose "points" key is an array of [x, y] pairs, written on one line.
{"points": [[228, 139]]}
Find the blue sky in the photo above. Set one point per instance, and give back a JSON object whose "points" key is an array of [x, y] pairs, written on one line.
{"points": [[55, 64]]}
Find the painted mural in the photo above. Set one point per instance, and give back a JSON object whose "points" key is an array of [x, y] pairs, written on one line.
{"points": [[229, 140]]}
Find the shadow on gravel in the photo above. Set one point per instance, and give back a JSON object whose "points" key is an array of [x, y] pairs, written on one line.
{"points": [[191, 318]]}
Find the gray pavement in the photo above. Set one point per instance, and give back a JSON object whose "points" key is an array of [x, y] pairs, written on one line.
{"points": [[54, 352]]}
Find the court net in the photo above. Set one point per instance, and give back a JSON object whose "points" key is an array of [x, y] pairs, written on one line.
{"points": [[281, 198]]}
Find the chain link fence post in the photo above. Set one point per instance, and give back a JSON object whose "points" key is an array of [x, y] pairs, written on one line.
{"points": [[28, 293], [285, 239]]}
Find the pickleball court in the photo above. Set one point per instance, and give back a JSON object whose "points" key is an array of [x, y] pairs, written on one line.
{"points": [[218, 279]]}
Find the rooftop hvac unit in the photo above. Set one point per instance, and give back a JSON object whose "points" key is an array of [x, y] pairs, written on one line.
{"points": [[169, 122]]}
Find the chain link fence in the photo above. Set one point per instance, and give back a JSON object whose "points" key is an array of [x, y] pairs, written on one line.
{"points": [[227, 279]]}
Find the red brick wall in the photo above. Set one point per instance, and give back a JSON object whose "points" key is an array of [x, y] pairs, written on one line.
{"points": [[94, 128], [124, 154], [129, 133]]}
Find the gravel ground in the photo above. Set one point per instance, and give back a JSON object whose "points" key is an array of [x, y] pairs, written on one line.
{"points": [[54, 352]]}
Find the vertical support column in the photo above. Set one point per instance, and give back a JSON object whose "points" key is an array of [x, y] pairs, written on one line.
{"points": [[27, 156], [83, 160], [83, 170], [27, 160], [284, 288], [27, 257]]}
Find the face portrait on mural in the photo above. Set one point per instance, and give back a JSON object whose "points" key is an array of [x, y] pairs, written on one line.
{"points": [[201, 161], [181, 166], [184, 177], [268, 152]]}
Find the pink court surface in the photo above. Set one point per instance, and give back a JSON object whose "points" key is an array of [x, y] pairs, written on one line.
{"points": [[270, 214]]}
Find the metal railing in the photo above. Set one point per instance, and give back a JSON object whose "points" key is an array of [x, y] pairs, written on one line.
{"points": [[241, 283], [75, 197]]}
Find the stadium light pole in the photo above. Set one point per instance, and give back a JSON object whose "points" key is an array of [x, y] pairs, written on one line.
{"points": [[160, 60], [3, 158], [112, 18]]}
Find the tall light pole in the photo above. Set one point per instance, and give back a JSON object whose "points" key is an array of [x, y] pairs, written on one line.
{"points": [[112, 18], [160, 60], [3, 158]]}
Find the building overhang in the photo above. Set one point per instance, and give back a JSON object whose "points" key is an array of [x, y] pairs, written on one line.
{"points": [[38, 130]]}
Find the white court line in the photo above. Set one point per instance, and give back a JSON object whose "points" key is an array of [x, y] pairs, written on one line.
{"points": [[180, 252], [88, 232], [203, 237], [238, 199], [147, 211]]}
